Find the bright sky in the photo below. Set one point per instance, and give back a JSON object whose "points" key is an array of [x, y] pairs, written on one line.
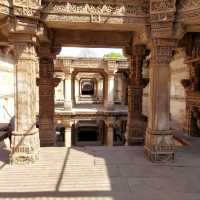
{"points": [[86, 52]]}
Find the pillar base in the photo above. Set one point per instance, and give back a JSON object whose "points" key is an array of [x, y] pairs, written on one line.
{"points": [[47, 138], [159, 146], [25, 147], [136, 131]]}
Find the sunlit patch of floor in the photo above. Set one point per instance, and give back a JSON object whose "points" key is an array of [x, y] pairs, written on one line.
{"points": [[102, 173]]}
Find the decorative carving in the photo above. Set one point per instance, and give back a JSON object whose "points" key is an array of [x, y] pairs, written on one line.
{"points": [[162, 13], [92, 12], [47, 83], [188, 4], [137, 122], [28, 8], [162, 5], [5, 7]]}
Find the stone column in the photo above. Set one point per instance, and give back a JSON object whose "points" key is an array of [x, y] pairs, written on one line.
{"points": [[109, 104], [25, 138], [68, 90], [46, 83], [109, 134], [68, 134], [159, 144], [118, 88], [110, 69], [136, 126]]}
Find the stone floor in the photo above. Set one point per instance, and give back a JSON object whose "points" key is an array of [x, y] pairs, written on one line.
{"points": [[101, 173]]}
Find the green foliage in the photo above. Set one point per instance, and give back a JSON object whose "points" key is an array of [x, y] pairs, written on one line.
{"points": [[113, 55]]}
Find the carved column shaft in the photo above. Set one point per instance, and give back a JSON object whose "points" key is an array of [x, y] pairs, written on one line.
{"points": [[68, 91], [136, 120], [46, 102], [68, 134], [109, 103], [109, 135], [159, 139], [25, 138], [46, 83]]}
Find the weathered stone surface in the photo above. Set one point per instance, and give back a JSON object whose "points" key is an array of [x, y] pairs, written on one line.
{"points": [[25, 138]]}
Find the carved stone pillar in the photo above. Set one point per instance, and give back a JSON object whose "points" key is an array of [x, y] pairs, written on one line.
{"points": [[68, 90], [110, 133], [137, 122], [159, 144], [109, 102], [68, 134], [46, 83], [118, 88], [25, 139]]}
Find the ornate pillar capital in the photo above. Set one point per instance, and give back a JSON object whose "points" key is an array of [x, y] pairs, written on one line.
{"points": [[162, 50]]}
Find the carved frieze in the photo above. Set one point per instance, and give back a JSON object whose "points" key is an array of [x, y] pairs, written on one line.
{"points": [[27, 3], [162, 14], [188, 4], [162, 5], [93, 12], [137, 8], [188, 10], [27, 8], [4, 7]]}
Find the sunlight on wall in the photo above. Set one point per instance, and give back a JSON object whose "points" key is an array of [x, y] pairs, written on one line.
{"points": [[6, 89]]}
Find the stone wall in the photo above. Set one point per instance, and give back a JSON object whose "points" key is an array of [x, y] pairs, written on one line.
{"points": [[6, 88]]}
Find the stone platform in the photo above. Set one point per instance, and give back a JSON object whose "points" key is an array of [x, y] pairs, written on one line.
{"points": [[102, 173]]}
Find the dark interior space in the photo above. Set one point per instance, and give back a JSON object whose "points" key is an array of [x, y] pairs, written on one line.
{"points": [[88, 92], [87, 136]]}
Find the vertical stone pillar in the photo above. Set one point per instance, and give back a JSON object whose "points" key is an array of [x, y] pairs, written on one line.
{"points": [[68, 134], [68, 90], [118, 88], [25, 139], [159, 144], [136, 126], [46, 83], [109, 103], [110, 133], [110, 86]]}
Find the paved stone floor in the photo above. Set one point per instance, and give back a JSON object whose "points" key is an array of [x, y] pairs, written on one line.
{"points": [[101, 173]]}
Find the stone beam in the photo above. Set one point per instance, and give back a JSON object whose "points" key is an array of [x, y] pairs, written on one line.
{"points": [[92, 38]]}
